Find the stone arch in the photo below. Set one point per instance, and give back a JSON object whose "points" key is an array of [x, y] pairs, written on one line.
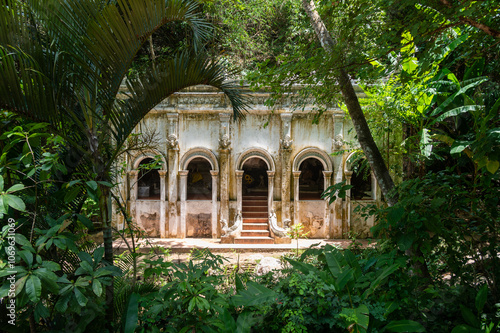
{"points": [[348, 172], [199, 152], [149, 154], [255, 152], [312, 153], [347, 164]]}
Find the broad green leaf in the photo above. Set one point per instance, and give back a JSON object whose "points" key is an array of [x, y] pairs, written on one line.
{"points": [[98, 254], [395, 215], [86, 222], [80, 297], [92, 184], [97, 287], [378, 281], [336, 262], [15, 202], [1, 183], [469, 317], [33, 288], [492, 166], [481, 298], [456, 111], [404, 326], [132, 314], [15, 188], [344, 278], [71, 194]]}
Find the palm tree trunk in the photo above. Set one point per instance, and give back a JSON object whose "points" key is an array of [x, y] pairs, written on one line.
{"points": [[105, 211]]}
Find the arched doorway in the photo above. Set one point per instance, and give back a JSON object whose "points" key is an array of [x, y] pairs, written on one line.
{"points": [[311, 179], [199, 183], [148, 180]]}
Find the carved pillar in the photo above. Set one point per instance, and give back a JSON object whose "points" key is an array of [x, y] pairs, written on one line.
{"points": [[270, 190], [163, 222], [239, 190], [132, 178], [347, 227], [286, 143], [337, 225], [327, 179], [183, 193], [173, 167], [296, 218], [215, 176], [224, 150]]}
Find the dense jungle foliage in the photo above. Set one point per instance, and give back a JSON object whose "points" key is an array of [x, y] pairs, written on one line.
{"points": [[430, 71]]}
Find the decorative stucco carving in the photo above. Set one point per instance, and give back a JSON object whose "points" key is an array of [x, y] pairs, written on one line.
{"points": [[338, 142], [224, 141], [275, 228], [286, 143], [235, 229], [172, 141]]}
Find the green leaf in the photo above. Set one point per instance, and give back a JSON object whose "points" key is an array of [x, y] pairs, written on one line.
{"points": [[71, 194], [80, 297], [33, 288], [469, 317], [344, 278], [238, 283], [404, 326], [132, 314], [86, 222], [481, 298], [395, 215], [15, 202], [97, 287], [492, 166], [461, 329], [98, 254], [92, 184], [15, 188], [1, 183]]}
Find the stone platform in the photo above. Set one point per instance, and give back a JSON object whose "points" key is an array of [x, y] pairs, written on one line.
{"points": [[185, 245]]}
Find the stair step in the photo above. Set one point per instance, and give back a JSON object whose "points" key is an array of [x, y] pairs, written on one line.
{"points": [[254, 214], [254, 240], [255, 233], [255, 197], [255, 209], [255, 226], [254, 203], [255, 220]]}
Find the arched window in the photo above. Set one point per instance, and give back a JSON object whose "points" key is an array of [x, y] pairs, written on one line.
{"points": [[148, 179], [361, 180], [311, 180], [199, 183]]}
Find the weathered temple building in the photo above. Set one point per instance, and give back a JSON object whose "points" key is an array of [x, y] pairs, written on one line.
{"points": [[245, 179]]}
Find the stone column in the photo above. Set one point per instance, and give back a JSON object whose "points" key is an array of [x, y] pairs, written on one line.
{"points": [[224, 155], [183, 174], [163, 222], [270, 189], [347, 226], [286, 143], [327, 179], [239, 190], [337, 225], [215, 176], [173, 167], [296, 218], [132, 178]]}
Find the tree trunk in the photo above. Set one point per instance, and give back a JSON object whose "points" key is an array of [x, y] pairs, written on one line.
{"points": [[105, 210], [363, 132]]}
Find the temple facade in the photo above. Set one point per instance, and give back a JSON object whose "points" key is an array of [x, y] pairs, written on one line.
{"points": [[249, 179]]}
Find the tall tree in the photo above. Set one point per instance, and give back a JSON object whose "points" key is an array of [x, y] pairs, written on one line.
{"points": [[62, 63], [363, 132]]}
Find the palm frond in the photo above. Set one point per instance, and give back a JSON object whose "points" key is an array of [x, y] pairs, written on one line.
{"points": [[147, 90]]}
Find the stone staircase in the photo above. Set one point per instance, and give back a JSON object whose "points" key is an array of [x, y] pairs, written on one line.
{"points": [[255, 220]]}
